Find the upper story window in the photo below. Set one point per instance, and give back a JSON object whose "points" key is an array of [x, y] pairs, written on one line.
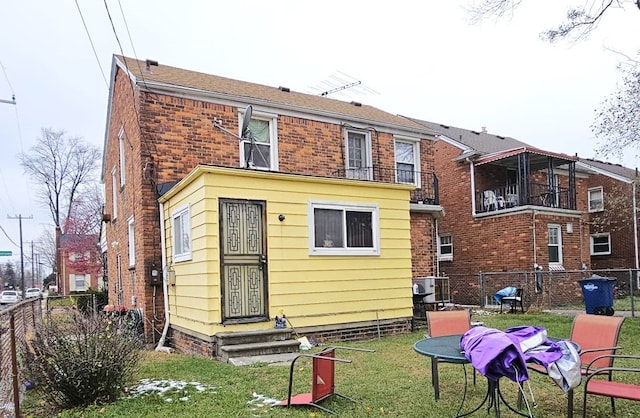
{"points": [[555, 244], [114, 194], [445, 247], [407, 161], [596, 199], [182, 234], [600, 244], [343, 229], [132, 243], [80, 282], [122, 165], [358, 156], [264, 153]]}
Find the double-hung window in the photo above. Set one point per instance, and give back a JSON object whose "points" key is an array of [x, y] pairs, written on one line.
{"points": [[407, 161], [114, 194], [596, 199], [259, 149], [181, 234], [132, 243], [600, 244], [343, 229], [445, 247], [358, 156], [80, 282], [555, 244], [121, 139]]}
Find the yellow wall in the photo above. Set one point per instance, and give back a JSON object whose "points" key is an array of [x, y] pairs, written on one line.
{"points": [[309, 289]]}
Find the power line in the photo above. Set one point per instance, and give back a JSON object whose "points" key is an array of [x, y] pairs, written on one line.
{"points": [[95, 54], [8, 237]]}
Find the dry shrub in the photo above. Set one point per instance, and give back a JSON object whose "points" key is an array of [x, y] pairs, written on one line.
{"points": [[81, 360]]}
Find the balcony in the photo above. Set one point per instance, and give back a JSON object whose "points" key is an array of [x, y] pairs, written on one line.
{"points": [[532, 178], [426, 183]]}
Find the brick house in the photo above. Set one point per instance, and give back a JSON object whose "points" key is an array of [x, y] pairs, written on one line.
{"points": [[508, 207], [164, 122], [612, 198], [81, 266]]}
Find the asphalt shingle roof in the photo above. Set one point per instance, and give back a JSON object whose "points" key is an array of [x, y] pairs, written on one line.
{"points": [[274, 96]]}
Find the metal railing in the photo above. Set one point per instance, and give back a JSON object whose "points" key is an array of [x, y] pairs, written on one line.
{"points": [[501, 198]]}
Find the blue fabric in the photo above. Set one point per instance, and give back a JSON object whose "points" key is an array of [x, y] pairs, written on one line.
{"points": [[507, 291]]}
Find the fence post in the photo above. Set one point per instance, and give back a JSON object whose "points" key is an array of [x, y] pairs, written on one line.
{"points": [[633, 310], [14, 366], [481, 283]]}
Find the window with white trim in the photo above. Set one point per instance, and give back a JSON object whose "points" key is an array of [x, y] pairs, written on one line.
{"points": [[596, 199], [407, 156], [264, 153], [445, 247], [114, 194], [132, 243], [181, 234], [122, 148], [358, 155], [80, 282], [343, 229], [600, 244], [555, 244]]}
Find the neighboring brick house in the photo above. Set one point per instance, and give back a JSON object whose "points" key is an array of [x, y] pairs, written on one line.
{"points": [[164, 121], [613, 215], [81, 264], [508, 207]]}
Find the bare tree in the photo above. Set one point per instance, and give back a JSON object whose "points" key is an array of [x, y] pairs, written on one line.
{"points": [[63, 168], [580, 21], [46, 248], [617, 123]]}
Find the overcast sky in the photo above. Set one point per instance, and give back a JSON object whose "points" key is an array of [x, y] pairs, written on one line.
{"points": [[415, 58]]}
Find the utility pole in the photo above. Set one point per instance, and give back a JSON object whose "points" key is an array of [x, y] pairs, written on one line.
{"points": [[20, 218], [12, 101]]}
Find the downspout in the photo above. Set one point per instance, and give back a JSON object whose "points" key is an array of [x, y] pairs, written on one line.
{"points": [[533, 224], [635, 224], [165, 286], [437, 250]]}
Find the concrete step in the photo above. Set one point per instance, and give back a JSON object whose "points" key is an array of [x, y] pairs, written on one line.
{"points": [[227, 352], [245, 337], [283, 359]]}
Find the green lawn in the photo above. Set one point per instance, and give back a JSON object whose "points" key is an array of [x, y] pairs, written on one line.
{"points": [[393, 381]]}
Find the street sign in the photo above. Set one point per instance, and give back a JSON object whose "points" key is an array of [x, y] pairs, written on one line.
{"points": [[5, 253]]}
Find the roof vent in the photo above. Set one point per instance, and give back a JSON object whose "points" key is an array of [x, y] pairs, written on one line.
{"points": [[285, 89], [444, 126], [149, 63], [475, 132], [356, 104], [501, 137]]}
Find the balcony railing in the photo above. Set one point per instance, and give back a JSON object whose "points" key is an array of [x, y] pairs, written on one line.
{"points": [[426, 183], [502, 198]]}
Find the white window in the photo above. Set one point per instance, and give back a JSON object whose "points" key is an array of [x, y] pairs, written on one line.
{"points": [[555, 244], [264, 153], [343, 229], [445, 248], [132, 244], [600, 244], [407, 161], [79, 282], [122, 166], [181, 234], [596, 199], [358, 156], [114, 194]]}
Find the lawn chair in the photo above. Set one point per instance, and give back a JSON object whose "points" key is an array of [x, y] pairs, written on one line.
{"points": [[611, 388], [513, 301], [322, 379], [441, 323], [597, 336]]}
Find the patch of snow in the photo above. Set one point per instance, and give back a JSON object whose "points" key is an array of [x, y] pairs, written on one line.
{"points": [[167, 388]]}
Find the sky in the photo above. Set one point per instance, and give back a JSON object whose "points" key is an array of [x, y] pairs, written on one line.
{"points": [[415, 58]]}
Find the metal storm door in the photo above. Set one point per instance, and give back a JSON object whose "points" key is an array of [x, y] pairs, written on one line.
{"points": [[243, 259]]}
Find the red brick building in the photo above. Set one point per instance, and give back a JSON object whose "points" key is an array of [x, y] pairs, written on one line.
{"points": [[612, 202], [508, 207], [164, 121], [81, 267]]}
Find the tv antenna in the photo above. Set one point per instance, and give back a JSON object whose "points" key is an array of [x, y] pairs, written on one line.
{"points": [[245, 134], [339, 83]]}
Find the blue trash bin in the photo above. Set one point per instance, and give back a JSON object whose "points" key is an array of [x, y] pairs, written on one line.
{"points": [[598, 294]]}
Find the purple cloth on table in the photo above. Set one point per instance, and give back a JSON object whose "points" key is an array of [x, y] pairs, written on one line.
{"points": [[497, 354]]}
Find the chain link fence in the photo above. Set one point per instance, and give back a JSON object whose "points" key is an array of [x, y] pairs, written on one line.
{"points": [[555, 290]]}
